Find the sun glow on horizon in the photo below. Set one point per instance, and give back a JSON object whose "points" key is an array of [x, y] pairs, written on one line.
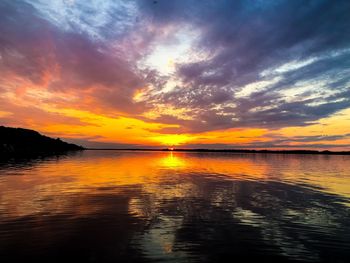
{"points": [[173, 139]]}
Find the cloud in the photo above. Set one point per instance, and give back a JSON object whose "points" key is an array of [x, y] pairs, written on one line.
{"points": [[30, 116], [227, 64], [298, 42], [59, 60]]}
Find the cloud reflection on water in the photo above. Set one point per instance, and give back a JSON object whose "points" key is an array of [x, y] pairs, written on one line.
{"points": [[176, 206]]}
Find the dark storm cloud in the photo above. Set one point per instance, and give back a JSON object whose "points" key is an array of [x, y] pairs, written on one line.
{"points": [[247, 38]]}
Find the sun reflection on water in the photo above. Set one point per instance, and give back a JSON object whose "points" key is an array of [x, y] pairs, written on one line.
{"points": [[173, 161], [152, 172], [167, 203]]}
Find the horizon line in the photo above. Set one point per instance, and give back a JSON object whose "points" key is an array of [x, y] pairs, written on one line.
{"points": [[299, 151]]}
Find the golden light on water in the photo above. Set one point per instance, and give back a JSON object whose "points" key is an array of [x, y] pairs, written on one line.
{"points": [[149, 170], [173, 161]]}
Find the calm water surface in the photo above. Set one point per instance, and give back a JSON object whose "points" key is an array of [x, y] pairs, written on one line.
{"points": [[113, 206]]}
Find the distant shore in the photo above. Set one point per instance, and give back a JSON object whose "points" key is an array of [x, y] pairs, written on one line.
{"points": [[325, 152]]}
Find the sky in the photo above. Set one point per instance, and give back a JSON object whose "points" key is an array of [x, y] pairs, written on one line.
{"points": [[184, 73]]}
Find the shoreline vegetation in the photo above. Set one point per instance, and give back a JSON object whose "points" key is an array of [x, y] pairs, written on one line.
{"points": [[22, 143]]}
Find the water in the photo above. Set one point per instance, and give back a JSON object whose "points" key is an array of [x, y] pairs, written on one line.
{"points": [[114, 206]]}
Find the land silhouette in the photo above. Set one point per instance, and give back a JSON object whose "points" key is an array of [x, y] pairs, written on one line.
{"points": [[19, 142]]}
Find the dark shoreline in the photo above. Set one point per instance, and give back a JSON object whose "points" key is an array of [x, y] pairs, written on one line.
{"points": [[326, 152], [24, 143]]}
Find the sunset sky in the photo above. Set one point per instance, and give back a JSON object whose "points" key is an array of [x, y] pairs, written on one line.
{"points": [[196, 74]]}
